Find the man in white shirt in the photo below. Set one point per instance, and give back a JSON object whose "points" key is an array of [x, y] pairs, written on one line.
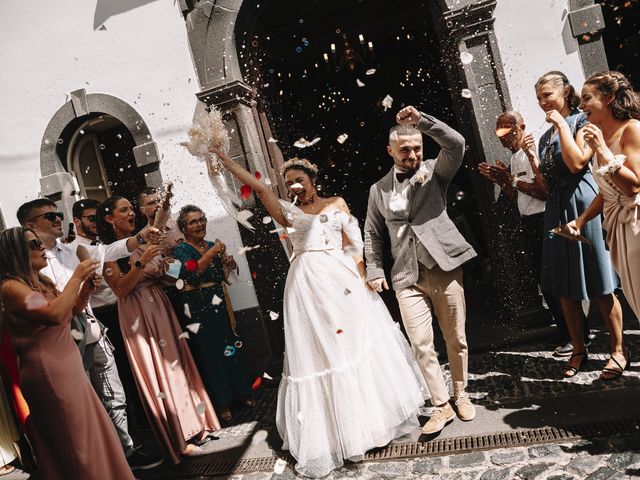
{"points": [[516, 183], [41, 215]]}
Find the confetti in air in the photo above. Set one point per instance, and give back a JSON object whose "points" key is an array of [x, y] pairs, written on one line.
{"points": [[173, 364], [387, 102], [304, 143], [371, 71], [273, 315], [256, 384], [216, 300], [194, 327], [266, 220], [187, 311], [342, 138], [267, 376], [272, 140], [501, 132], [180, 284], [136, 324], [184, 335], [466, 93], [35, 300], [244, 250], [76, 334], [466, 58], [245, 192], [359, 82]]}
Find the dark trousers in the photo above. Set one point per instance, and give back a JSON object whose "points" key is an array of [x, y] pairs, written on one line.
{"points": [[533, 233], [108, 316]]}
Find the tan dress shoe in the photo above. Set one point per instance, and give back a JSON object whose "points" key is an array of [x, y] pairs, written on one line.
{"points": [[442, 416], [465, 409]]}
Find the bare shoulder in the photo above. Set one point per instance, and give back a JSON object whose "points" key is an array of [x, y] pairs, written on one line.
{"points": [[631, 132], [339, 203]]}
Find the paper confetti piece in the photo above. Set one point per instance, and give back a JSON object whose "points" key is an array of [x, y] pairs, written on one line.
{"points": [[501, 132], [184, 335], [387, 102], [173, 364], [296, 186], [194, 327], [279, 466], [342, 138], [76, 334], [267, 376], [136, 324], [245, 192], [244, 215], [266, 220], [371, 71], [243, 250], [258, 175], [256, 384], [466, 58], [180, 284], [304, 143], [187, 311], [272, 140], [465, 92], [35, 300], [216, 300], [359, 82], [161, 395], [273, 315]]}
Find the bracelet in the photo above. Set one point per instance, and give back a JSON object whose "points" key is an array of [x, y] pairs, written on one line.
{"points": [[612, 167]]}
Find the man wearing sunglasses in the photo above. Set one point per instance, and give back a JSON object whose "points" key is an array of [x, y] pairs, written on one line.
{"points": [[96, 349]]}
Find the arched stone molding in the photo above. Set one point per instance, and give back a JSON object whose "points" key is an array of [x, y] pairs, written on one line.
{"points": [[54, 177]]}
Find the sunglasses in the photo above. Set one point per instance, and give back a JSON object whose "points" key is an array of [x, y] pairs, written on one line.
{"points": [[92, 218], [51, 216], [35, 244]]}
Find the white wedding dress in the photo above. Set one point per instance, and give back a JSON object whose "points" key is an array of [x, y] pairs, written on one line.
{"points": [[350, 381]]}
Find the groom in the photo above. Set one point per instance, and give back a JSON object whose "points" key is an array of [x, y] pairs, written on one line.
{"points": [[428, 251]]}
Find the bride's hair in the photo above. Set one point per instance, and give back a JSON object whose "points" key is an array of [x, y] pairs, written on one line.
{"points": [[303, 164]]}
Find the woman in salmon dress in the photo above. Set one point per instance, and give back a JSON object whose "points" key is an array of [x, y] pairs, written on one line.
{"points": [[71, 433], [173, 395]]}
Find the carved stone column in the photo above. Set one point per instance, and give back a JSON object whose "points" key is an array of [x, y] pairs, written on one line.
{"points": [[468, 26], [587, 23]]}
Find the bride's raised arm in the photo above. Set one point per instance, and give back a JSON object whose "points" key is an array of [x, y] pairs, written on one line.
{"points": [[269, 199]]}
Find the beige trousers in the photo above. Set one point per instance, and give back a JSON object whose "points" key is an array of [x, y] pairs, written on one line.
{"points": [[440, 293]]}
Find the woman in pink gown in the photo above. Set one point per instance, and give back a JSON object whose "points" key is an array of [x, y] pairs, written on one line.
{"points": [[71, 433], [173, 395], [613, 134]]}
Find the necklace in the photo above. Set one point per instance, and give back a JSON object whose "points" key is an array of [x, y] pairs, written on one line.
{"points": [[201, 246]]}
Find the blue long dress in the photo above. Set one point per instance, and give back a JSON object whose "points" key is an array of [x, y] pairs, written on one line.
{"points": [[217, 350], [571, 269]]}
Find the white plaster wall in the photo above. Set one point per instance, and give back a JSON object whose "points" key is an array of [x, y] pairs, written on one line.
{"points": [[534, 38], [141, 55]]}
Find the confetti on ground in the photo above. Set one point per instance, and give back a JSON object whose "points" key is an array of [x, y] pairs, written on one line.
{"points": [[180, 284], [371, 71], [466, 93], [173, 364], [76, 334], [191, 265], [267, 376], [35, 300], [256, 383], [216, 300], [243, 250], [359, 82], [187, 311], [245, 192], [266, 220], [387, 102], [194, 327], [136, 324], [184, 335], [466, 58], [273, 315], [339, 331], [161, 395], [279, 466], [200, 408], [342, 138]]}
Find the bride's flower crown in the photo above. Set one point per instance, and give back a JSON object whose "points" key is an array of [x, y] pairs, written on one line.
{"points": [[300, 163]]}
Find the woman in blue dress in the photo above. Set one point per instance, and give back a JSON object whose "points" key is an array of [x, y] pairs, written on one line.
{"points": [[573, 271], [214, 344]]}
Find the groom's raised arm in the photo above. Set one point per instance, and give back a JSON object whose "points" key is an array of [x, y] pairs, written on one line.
{"points": [[451, 144], [373, 237]]}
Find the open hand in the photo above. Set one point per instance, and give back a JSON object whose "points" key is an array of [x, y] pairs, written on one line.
{"points": [[485, 170], [529, 146]]}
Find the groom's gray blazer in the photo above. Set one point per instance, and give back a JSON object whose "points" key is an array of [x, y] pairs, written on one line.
{"points": [[425, 219]]}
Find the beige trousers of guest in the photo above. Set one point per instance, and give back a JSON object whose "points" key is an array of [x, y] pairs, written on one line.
{"points": [[440, 293]]}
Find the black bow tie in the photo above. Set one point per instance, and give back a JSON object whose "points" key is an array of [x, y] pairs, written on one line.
{"points": [[402, 176]]}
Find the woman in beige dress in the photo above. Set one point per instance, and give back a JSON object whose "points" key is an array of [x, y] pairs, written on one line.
{"points": [[71, 433], [172, 392], [613, 110]]}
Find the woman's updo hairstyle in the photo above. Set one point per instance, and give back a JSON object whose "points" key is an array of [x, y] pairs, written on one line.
{"points": [[625, 102], [301, 164], [561, 80]]}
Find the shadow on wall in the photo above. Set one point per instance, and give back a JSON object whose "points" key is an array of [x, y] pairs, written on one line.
{"points": [[2, 227], [106, 9]]}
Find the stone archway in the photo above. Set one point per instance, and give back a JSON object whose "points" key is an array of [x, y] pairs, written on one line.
{"points": [[55, 179]]}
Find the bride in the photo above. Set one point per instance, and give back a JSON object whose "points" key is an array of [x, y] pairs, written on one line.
{"points": [[350, 382]]}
